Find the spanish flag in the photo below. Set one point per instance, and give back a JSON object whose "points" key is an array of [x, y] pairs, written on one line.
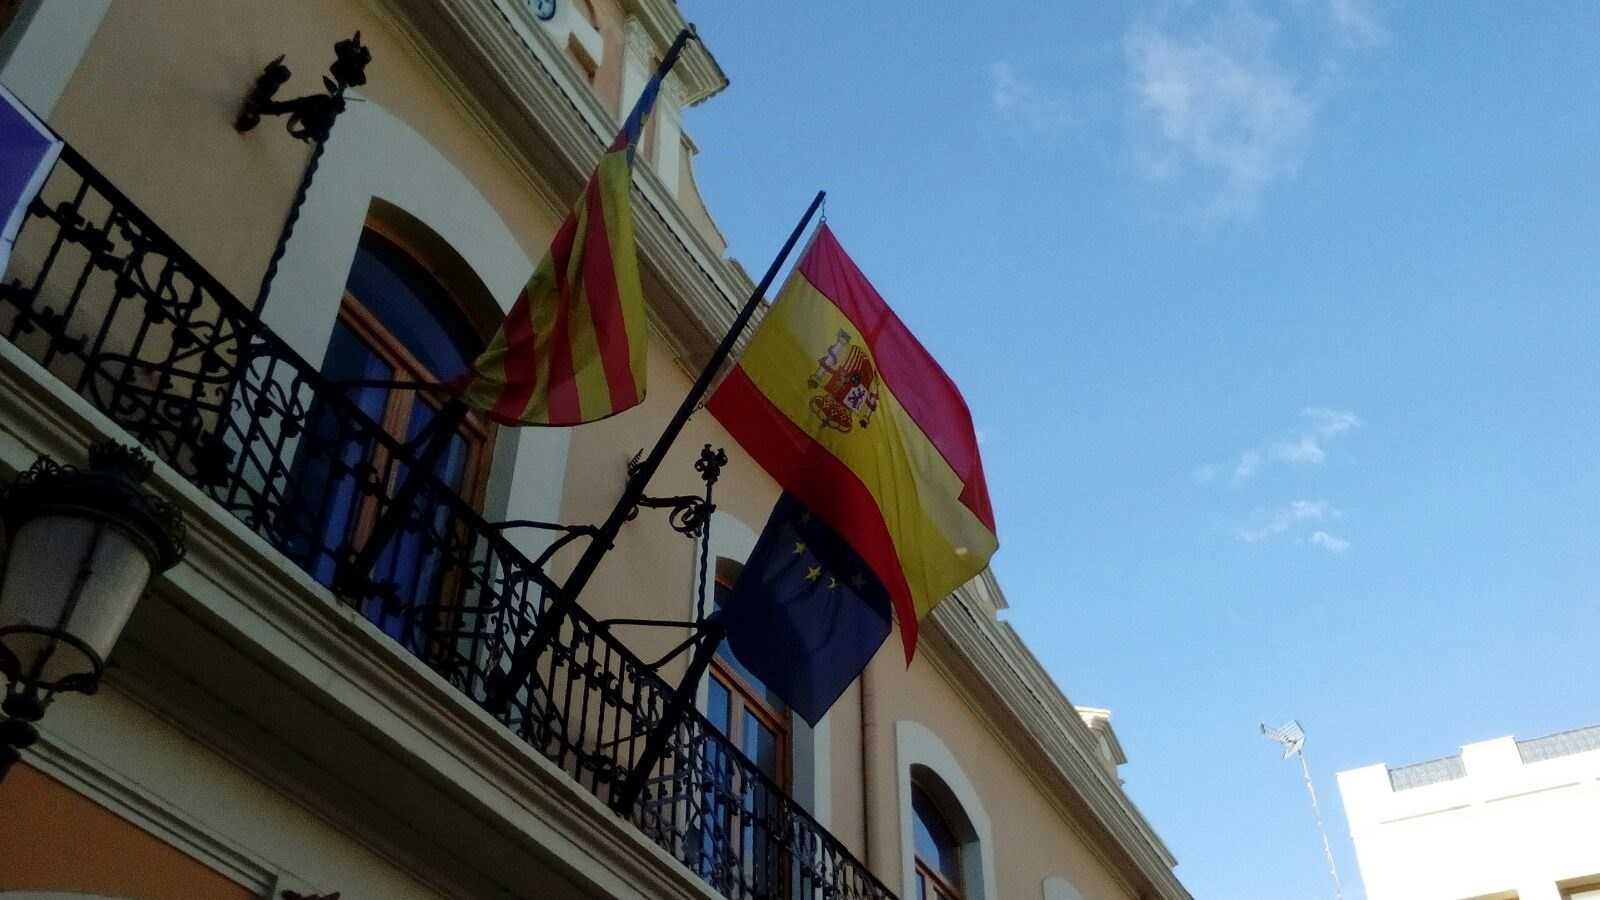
{"points": [[851, 416], [572, 348]]}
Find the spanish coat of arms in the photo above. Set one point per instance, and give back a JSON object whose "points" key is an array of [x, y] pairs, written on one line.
{"points": [[849, 386]]}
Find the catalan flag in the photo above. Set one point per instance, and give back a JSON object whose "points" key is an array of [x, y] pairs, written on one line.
{"points": [[850, 415], [572, 348]]}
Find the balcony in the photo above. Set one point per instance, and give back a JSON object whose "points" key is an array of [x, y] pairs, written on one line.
{"points": [[104, 301]]}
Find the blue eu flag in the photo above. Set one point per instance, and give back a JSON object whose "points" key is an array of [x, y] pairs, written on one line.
{"points": [[806, 614]]}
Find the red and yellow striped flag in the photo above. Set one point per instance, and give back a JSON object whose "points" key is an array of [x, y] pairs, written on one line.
{"points": [[572, 348], [845, 409]]}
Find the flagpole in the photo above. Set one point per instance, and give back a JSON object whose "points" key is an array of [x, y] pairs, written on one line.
{"points": [[433, 445], [564, 601]]}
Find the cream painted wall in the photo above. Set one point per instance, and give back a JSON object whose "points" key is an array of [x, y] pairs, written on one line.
{"points": [[167, 139], [1033, 837], [200, 796], [1506, 826], [44, 45], [1058, 888]]}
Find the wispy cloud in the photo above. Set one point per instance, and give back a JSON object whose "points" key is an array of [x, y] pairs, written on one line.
{"points": [[1305, 445], [1268, 524], [1300, 451], [1335, 545], [1249, 462], [1357, 25], [1222, 99], [1020, 101], [1215, 102], [1329, 422]]}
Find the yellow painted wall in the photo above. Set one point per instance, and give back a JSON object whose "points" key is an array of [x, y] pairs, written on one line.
{"points": [[152, 106]]}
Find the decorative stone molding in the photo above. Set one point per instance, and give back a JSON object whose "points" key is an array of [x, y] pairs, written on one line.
{"points": [[987, 661]]}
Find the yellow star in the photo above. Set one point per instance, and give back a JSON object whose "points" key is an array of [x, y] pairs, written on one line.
{"points": [[857, 582], [799, 547], [813, 573]]}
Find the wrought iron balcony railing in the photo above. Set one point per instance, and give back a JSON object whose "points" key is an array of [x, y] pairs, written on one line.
{"points": [[111, 306]]}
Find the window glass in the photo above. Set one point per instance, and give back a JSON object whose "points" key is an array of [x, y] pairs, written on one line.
{"points": [[719, 705], [414, 308], [761, 745], [935, 842], [721, 591]]}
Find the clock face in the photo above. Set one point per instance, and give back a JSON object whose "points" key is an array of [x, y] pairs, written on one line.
{"points": [[544, 9]]}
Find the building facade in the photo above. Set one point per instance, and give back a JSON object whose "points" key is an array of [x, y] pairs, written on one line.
{"points": [[271, 729], [1501, 820]]}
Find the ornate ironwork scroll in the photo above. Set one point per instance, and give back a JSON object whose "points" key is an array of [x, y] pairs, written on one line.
{"points": [[105, 301]]}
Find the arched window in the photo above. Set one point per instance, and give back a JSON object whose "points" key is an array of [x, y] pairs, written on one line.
{"points": [[397, 321], [946, 839], [938, 852]]}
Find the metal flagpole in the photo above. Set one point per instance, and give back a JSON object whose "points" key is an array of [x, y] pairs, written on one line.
{"points": [[1333, 870], [1293, 740], [564, 601]]}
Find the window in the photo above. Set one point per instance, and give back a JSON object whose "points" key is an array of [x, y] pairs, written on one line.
{"points": [[581, 59], [946, 839], [938, 853], [741, 707], [743, 826], [396, 322]]}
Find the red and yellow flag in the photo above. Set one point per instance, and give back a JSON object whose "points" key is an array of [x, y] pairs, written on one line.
{"points": [[845, 409], [572, 348]]}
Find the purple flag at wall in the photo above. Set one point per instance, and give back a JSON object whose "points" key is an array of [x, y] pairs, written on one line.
{"points": [[27, 151]]}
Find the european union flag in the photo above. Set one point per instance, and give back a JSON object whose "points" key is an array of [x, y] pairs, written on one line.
{"points": [[806, 614]]}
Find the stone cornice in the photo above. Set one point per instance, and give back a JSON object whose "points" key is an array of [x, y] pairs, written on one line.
{"points": [[702, 78], [987, 660], [510, 78]]}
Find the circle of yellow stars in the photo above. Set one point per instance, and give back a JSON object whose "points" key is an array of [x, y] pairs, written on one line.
{"points": [[814, 573]]}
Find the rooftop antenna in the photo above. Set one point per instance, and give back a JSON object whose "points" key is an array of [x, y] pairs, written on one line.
{"points": [[1293, 739]]}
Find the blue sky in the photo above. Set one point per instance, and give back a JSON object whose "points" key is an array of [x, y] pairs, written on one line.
{"points": [[1279, 323]]}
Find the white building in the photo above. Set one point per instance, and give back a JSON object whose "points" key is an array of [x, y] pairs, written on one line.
{"points": [[1501, 820]]}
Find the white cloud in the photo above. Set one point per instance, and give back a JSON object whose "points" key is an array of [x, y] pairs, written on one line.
{"points": [[1302, 451], [1249, 462], [1216, 102], [1357, 25], [1305, 446], [1020, 101], [1329, 422], [1269, 524], [1334, 545]]}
